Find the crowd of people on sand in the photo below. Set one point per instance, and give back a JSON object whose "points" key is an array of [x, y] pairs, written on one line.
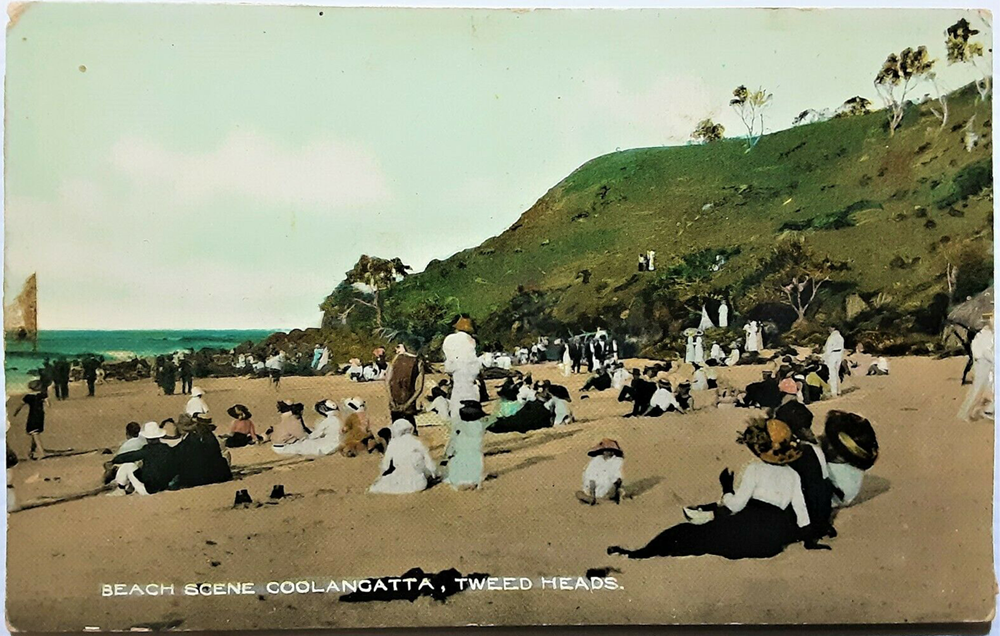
{"points": [[788, 493]]}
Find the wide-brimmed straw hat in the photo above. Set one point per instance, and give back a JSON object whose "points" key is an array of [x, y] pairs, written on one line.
{"points": [[239, 412], [471, 410], [772, 441], [464, 323], [606, 444], [853, 437], [151, 430]]}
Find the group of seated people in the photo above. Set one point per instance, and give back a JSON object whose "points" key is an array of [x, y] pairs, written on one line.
{"points": [[806, 380], [653, 397], [787, 495], [371, 372], [613, 375], [169, 455], [526, 405]]}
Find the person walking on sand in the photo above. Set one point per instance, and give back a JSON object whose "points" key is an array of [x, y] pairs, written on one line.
{"points": [[975, 403], [35, 425], [833, 356]]}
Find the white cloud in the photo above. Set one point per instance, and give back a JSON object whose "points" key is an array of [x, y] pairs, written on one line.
{"points": [[325, 173]]}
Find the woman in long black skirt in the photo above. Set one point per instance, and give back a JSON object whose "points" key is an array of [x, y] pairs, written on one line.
{"points": [[766, 514]]}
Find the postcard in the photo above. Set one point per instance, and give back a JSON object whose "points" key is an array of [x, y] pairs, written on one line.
{"points": [[328, 317]]}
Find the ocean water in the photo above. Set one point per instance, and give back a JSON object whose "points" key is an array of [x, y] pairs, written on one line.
{"points": [[19, 359]]}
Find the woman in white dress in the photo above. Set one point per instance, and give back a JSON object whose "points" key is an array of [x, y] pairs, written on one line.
{"points": [[324, 439], [462, 364], [406, 465]]}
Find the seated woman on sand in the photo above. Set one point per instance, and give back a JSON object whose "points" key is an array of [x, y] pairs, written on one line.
{"points": [[199, 457], [197, 403], [325, 436], [290, 427], [356, 436], [241, 431], [766, 513], [851, 448], [406, 466], [437, 411]]}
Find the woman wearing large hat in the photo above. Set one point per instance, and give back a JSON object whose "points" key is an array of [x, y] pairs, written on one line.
{"points": [[602, 478], [462, 363], [465, 447], [242, 431], [766, 513], [851, 448]]}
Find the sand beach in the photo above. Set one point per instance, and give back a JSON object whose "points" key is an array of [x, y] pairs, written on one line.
{"points": [[921, 527]]}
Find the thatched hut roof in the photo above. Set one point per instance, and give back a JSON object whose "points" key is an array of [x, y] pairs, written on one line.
{"points": [[970, 313]]}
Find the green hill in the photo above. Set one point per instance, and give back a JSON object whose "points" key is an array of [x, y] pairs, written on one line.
{"points": [[884, 215]]}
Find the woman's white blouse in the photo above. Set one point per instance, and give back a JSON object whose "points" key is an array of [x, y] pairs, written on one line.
{"points": [[779, 486]]}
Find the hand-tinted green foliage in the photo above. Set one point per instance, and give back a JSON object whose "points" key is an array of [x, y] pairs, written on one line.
{"points": [[878, 197], [969, 181]]}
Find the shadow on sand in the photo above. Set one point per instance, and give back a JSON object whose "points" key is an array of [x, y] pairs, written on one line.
{"points": [[872, 487], [636, 489], [528, 463]]}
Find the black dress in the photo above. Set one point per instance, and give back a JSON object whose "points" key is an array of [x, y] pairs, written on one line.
{"points": [[600, 382], [36, 412], [818, 493], [200, 461], [532, 416], [759, 531]]}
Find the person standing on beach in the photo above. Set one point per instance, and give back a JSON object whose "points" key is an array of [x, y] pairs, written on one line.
{"points": [[979, 399], [833, 356], [186, 370], [462, 363], [36, 403], [405, 380], [47, 374], [62, 379], [90, 365], [168, 376]]}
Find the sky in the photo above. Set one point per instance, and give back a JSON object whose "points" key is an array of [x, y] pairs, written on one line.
{"points": [[213, 166]]}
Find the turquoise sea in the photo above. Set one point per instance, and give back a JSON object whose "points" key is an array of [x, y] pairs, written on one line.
{"points": [[20, 360]]}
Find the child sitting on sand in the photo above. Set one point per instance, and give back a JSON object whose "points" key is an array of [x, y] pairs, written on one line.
{"points": [[602, 479]]}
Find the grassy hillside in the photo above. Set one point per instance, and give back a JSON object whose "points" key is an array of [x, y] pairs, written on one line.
{"points": [[891, 211]]}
